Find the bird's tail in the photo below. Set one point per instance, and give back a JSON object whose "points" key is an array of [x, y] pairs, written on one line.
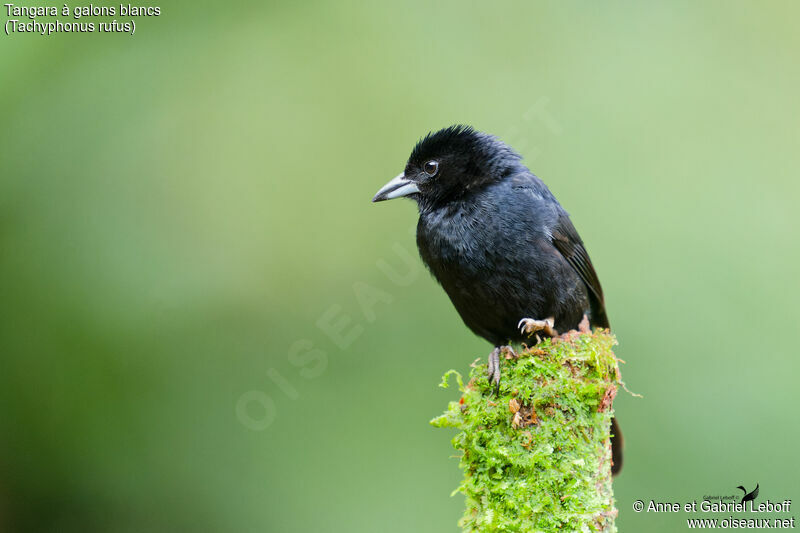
{"points": [[616, 447]]}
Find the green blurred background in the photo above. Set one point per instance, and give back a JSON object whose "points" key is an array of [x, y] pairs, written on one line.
{"points": [[179, 210]]}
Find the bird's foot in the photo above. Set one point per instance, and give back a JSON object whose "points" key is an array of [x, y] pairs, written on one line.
{"points": [[509, 352], [530, 326]]}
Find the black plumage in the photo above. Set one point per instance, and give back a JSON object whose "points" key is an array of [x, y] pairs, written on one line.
{"points": [[498, 241]]}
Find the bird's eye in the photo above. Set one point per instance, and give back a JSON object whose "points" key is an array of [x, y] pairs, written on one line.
{"points": [[431, 168]]}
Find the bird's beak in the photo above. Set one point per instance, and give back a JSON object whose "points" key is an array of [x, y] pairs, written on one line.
{"points": [[400, 186]]}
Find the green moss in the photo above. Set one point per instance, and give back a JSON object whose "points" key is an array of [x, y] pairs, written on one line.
{"points": [[536, 456]]}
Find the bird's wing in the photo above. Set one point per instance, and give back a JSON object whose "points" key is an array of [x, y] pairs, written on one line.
{"points": [[755, 492], [567, 241]]}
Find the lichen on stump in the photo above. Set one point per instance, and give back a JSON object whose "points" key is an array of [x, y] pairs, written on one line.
{"points": [[537, 455]]}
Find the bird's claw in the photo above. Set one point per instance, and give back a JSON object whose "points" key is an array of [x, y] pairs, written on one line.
{"points": [[530, 325], [509, 352]]}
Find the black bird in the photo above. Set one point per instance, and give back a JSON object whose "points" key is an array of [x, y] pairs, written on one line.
{"points": [[499, 243], [748, 497]]}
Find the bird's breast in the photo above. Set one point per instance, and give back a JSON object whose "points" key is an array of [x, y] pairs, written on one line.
{"points": [[456, 239]]}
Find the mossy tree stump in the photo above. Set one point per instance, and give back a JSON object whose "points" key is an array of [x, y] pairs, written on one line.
{"points": [[537, 455]]}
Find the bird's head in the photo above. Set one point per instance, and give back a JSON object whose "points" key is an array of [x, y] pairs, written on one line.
{"points": [[449, 164]]}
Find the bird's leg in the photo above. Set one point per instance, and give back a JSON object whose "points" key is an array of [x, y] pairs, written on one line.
{"points": [[494, 363], [585, 326], [494, 367], [529, 326]]}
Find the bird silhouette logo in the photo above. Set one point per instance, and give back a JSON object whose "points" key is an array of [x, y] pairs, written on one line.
{"points": [[748, 496]]}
